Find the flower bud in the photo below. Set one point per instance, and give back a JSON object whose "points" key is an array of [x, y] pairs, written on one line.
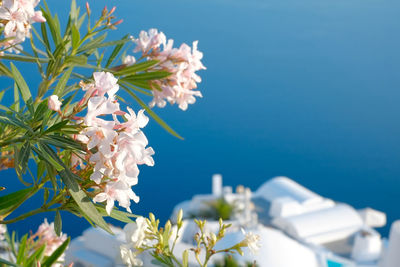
{"points": [[53, 103]]}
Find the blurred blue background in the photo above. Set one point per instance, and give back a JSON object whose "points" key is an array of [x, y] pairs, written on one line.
{"points": [[306, 89]]}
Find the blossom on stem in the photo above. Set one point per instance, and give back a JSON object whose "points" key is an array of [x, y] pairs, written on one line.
{"points": [[129, 257], [53, 103], [135, 233], [251, 241], [182, 63], [115, 149], [17, 17], [46, 235]]}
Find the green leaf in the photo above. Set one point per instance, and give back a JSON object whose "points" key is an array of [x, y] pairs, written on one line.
{"points": [[16, 98], [62, 82], [21, 250], [76, 37], [138, 67], [23, 158], [24, 58], [23, 87], [115, 52], [48, 155], [11, 120], [116, 214], [45, 196], [62, 142], [83, 201], [92, 44], [14, 199], [4, 70], [56, 126], [58, 223], [56, 254], [53, 25], [45, 37], [37, 256], [155, 75], [153, 114], [8, 263]]}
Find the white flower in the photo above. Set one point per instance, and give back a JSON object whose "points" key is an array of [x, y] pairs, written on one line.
{"points": [[129, 60], [105, 82], [3, 230], [53, 103], [251, 241], [135, 233], [129, 257]]}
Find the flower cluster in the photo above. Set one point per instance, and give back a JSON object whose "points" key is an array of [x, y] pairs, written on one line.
{"points": [[135, 235], [182, 63], [17, 16], [115, 148], [46, 235], [251, 241]]}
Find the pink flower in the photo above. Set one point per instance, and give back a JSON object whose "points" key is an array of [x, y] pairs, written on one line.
{"points": [[47, 235], [18, 15], [53, 103], [182, 63], [149, 40]]}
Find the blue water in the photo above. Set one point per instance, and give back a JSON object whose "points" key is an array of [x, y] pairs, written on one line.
{"points": [[306, 89]]}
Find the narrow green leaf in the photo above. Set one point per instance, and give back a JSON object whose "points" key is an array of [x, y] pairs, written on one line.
{"points": [[155, 75], [24, 58], [16, 97], [45, 196], [46, 153], [37, 256], [4, 70], [8, 263], [58, 223], [115, 52], [23, 87], [63, 82], [45, 38], [24, 157], [83, 201], [55, 32], [92, 44], [7, 202], [21, 250], [56, 254], [138, 67], [153, 114], [116, 214], [76, 38]]}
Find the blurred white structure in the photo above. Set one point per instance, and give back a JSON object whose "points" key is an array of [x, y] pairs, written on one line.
{"points": [[297, 228]]}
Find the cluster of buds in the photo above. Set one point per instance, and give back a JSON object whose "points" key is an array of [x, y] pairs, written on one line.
{"points": [[147, 235], [182, 63], [16, 16], [106, 17]]}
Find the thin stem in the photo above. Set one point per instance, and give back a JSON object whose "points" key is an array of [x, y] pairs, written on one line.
{"points": [[28, 214]]}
